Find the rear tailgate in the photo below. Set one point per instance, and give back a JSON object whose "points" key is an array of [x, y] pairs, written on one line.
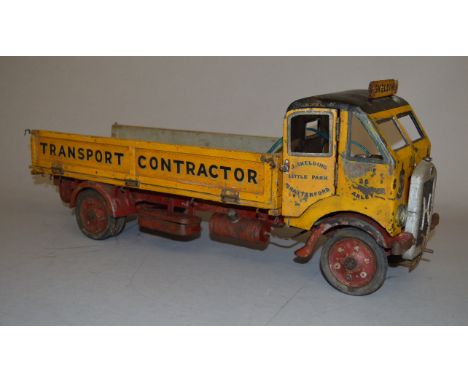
{"points": [[229, 176]]}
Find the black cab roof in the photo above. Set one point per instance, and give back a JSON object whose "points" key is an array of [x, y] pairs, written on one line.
{"points": [[349, 98]]}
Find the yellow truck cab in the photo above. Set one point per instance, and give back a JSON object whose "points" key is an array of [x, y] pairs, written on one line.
{"points": [[354, 166]]}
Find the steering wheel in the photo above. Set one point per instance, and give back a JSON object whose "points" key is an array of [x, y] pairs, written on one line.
{"points": [[366, 154]]}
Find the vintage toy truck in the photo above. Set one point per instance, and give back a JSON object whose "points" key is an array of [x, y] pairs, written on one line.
{"points": [[354, 166]]}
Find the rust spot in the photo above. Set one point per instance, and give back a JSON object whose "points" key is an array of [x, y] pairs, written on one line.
{"points": [[268, 159], [305, 253]]}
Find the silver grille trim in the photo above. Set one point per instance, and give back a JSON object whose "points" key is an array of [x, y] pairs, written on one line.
{"points": [[420, 206]]}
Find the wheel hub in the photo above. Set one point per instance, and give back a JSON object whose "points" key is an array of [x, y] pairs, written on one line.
{"points": [[94, 215], [349, 263], [91, 215], [352, 262]]}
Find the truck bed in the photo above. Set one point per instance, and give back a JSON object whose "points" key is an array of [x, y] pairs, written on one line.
{"points": [[249, 143], [213, 167]]}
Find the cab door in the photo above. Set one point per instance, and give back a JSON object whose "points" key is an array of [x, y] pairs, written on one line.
{"points": [[309, 158]]}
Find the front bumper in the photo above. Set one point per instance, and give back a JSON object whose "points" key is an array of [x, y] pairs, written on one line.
{"points": [[403, 242]]}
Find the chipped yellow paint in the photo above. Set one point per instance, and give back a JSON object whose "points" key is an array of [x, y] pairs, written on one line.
{"points": [[181, 170]]}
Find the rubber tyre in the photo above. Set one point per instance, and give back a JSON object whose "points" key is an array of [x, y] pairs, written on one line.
{"points": [[94, 218], [374, 255], [119, 225]]}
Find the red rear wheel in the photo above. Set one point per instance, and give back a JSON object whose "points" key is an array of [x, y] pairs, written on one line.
{"points": [[94, 218], [353, 262]]}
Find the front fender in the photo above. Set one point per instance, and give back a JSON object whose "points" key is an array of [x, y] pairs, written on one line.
{"points": [[359, 221], [339, 204]]}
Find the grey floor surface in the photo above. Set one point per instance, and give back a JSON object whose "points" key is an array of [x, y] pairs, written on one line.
{"points": [[50, 274]]}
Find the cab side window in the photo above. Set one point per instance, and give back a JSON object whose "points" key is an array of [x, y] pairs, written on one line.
{"points": [[310, 134], [361, 144]]}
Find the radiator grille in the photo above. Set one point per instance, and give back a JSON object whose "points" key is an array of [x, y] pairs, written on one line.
{"points": [[427, 203], [420, 206]]}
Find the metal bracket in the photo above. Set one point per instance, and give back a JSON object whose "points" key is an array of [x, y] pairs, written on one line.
{"points": [[132, 183], [57, 170], [230, 196], [412, 264]]}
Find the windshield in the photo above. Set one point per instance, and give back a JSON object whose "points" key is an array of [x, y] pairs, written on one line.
{"points": [[409, 123], [390, 131]]}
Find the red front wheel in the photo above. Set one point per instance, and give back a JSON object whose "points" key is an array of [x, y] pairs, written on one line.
{"points": [[353, 262], [94, 218]]}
